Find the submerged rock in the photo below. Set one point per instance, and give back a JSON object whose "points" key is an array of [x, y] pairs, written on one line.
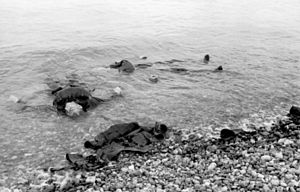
{"points": [[153, 78], [143, 57], [295, 111], [118, 90]]}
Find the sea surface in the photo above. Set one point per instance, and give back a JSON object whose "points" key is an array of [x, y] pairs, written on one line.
{"points": [[257, 43]]}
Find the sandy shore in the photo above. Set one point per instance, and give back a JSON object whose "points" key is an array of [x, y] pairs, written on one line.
{"points": [[264, 159]]}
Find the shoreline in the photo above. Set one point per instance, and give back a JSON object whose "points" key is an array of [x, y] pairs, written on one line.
{"points": [[264, 159]]}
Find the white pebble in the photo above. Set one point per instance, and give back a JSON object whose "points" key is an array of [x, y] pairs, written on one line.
{"points": [[275, 182], [266, 158], [279, 155], [91, 179], [289, 176], [118, 90], [285, 141], [212, 166], [131, 167]]}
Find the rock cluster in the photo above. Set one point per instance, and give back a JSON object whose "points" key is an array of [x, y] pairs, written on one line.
{"points": [[259, 160]]}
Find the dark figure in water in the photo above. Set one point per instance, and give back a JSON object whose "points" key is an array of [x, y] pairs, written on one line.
{"points": [[75, 94], [206, 59], [123, 66], [220, 68]]}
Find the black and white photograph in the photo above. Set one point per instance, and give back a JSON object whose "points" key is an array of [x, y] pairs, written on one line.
{"points": [[150, 96]]}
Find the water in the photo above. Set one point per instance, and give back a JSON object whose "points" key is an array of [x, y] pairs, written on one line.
{"points": [[256, 42]]}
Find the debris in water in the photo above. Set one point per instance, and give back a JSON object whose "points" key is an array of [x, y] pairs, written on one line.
{"points": [[73, 108], [153, 78]]}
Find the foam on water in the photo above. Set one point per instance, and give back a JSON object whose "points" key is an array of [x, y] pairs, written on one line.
{"points": [[257, 43]]}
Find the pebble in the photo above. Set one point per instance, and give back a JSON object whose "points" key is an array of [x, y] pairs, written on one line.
{"points": [[289, 176], [143, 57], [266, 188], [212, 166], [279, 155], [178, 168], [118, 90], [91, 179], [131, 167], [266, 158], [275, 182]]}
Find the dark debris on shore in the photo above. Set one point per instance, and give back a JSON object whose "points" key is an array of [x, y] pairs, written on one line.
{"points": [[264, 159]]}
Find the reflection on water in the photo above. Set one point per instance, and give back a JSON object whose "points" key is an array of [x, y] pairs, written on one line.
{"points": [[257, 43]]}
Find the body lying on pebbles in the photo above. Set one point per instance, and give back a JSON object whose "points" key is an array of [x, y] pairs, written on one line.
{"points": [[261, 160]]}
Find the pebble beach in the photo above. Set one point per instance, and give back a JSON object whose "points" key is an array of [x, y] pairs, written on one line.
{"points": [[264, 158]]}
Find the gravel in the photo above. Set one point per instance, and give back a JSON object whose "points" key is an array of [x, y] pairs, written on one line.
{"points": [[265, 160]]}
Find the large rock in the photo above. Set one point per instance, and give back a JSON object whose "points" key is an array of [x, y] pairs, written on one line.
{"points": [[295, 111]]}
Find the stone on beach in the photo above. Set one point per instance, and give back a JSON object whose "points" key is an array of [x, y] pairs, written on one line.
{"points": [[205, 164]]}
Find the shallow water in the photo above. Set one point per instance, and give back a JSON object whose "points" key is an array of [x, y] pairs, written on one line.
{"points": [[256, 42]]}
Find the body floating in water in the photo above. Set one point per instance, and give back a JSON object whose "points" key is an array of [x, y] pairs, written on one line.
{"points": [[123, 66], [71, 100]]}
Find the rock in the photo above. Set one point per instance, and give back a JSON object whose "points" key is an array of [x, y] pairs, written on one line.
{"points": [[212, 166], [118, 90], [289, 176], [266, 188], [266, 158], [153, 78], [91, 179], [3, 189], [294, 183], [295, 111], [285, 141], [131, 167], [124, 169], [279, 155], [143, 57], [48, 188], [66, 183], [119, 190], [292, 189], [227, 134], [223, 189], [283, 184], [275, 182]]}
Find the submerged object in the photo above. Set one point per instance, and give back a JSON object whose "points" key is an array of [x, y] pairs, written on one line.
{"points": [[143, 57], [123, 66], [118, 90], [78, 95], [206, 58], [153, 78], [14, 99], [220, 68]]}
